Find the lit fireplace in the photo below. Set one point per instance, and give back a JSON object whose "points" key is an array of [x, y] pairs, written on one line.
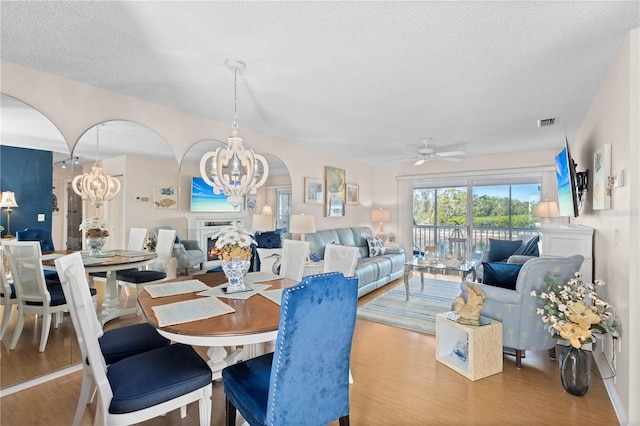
{"points": [[211, 242], [204, 231]]}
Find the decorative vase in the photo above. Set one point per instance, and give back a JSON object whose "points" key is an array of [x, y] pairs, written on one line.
{"points": [[575, 370], [95, 245], [235, 270]]}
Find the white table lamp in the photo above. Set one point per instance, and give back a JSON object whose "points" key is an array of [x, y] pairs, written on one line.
{"points": [[381, 215], [302, 224], [545, 210], [262, 223]]}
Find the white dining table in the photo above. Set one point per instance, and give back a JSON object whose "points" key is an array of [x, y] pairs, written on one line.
{"points": [[110, 262]]}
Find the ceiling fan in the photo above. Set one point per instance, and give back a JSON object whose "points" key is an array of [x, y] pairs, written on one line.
{"points": [[429, 152]]}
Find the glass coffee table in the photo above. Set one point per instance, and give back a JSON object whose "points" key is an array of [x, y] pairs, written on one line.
{"points": [[462, 270]]}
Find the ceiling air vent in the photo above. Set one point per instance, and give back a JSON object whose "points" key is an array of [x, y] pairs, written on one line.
{"points": [[546, 122]]}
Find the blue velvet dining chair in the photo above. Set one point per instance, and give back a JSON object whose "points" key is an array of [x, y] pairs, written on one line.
{"points": [[305, 381], [141, 386]]}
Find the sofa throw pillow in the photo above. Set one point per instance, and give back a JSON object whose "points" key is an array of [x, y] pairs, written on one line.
{"points": [[376, 246], [530, 248], [500, 250], [502, 275]]}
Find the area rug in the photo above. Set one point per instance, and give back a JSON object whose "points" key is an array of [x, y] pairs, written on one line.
{"points": [[419, 313]]}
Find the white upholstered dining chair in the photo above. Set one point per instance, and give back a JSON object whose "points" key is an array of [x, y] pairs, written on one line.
{"points": [[7, 299], [138, 387], [294, 257], [34, 297], [339, 258]]}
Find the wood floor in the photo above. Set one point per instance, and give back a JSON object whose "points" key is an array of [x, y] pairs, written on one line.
{"points": [[397, 382]]}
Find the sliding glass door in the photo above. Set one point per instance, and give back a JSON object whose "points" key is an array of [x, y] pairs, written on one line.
{"points": [[440, 214], [460, 218]]}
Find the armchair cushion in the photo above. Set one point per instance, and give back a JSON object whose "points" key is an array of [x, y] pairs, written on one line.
{"points": [[528, 248], [500, 250], [501, 274]]}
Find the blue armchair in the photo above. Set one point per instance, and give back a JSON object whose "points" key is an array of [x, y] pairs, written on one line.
{"points": [[522, 327]]}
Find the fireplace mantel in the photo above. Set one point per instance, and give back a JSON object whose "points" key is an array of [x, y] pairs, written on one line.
{"points": [[204, 229]]}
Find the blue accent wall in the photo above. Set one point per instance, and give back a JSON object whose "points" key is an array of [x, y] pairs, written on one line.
{"points": [[29, 174]]}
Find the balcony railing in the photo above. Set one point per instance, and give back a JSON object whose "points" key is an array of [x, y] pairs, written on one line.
{"points": [[426, 235]]}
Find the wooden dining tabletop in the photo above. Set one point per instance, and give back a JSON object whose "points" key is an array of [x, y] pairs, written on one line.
{"points": [[254, 315], [114, 262]]}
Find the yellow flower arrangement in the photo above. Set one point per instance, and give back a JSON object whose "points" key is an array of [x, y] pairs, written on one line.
{"points": [[233, 242], [567, 316]]}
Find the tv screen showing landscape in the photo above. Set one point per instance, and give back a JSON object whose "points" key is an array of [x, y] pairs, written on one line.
{"points": [[565, 176], [204, 200]]}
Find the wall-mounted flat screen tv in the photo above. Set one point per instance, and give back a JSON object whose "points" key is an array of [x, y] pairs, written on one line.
{"points": [[566, 179], [204, 200]]}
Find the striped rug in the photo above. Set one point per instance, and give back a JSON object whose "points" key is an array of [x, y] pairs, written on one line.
{"points": [[419, 313]]}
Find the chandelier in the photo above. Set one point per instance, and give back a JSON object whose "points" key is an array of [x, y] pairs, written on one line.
{"points": [[96, 186], [234, 171]]}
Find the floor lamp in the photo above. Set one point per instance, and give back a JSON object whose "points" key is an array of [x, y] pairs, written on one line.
{"points": [[8, 202]]}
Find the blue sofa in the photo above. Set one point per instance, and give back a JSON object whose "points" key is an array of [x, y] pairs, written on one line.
{"points": [[372, 272]]}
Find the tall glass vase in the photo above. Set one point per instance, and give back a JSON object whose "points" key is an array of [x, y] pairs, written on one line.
{"points": [[575, 370], [235, 270]]}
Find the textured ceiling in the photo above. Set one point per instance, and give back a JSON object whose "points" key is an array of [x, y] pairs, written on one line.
{"points": [[364, 80]]}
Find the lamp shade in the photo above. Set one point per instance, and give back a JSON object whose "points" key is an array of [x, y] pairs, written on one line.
{"points": [[381, 215], [546, 209], [262, 222], [302, 224], [8, 200]]}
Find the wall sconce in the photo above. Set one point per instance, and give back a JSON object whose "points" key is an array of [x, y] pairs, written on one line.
{"points": [[302, 224], [381, 215], [8, 202], [545, 210]]}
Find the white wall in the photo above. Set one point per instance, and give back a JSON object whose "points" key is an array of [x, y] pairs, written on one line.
{"points": [[613, 118], [75, 107]]}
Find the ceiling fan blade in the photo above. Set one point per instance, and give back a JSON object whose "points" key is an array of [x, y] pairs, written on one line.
{"points": [[451, 153], [419, 162], [451, 158]]}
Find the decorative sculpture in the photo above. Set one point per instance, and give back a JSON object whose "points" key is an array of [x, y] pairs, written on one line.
{"points": [[469, 311]]}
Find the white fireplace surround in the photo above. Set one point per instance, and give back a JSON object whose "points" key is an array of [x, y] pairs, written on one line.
{"points": [[203, 229]]}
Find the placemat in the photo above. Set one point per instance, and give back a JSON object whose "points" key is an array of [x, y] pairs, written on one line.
{"points": [[274, 295], [179, 287], [217, 291], [190, 310], [259, 277]]}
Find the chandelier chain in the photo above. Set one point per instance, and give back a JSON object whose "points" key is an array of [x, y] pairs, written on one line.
{"points": [[234, 125]]}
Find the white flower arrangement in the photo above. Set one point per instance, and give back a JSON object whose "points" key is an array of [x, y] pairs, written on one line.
{"points": [[233, 242], [95, 227], [573, 311]]}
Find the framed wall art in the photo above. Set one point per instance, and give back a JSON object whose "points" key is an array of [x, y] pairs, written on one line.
{"points": [[165, 198], [335, 191], [601, 173], [313, 191], [353, 194]]}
